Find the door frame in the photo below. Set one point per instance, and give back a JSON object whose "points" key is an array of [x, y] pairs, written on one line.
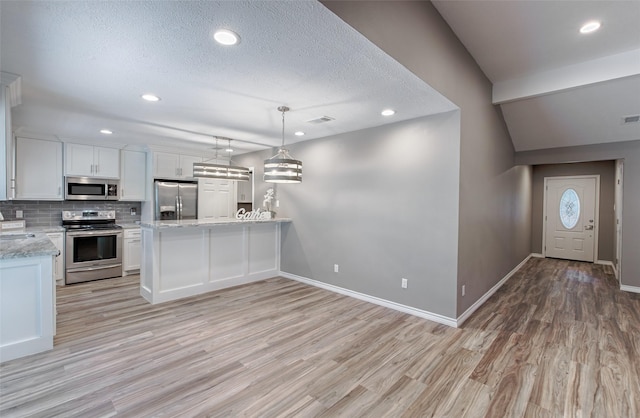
{"points": [[597, 211], [619, 179]]}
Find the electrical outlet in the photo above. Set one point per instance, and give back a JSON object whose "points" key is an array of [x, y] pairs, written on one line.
{"points": [[277, 203], [464, 290], [336, 268], [405, 283], [19, 214], [133, 211]]}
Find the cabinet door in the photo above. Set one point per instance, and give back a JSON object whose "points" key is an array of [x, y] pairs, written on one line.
{"points": [[216, 199], [79, 160], [131, 251], [206, 198], [38, 169], [106, 162], [245, 190], [186, 164], [225, 199], [133, 176], [165, 165], [58, 263]]}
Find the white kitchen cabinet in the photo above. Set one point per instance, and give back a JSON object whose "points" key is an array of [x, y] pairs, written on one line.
{"points": [[173, 166], [245, 190], [133, 176], [38, 170], [131, 251], [216, 199], [91, 161], [58, 262]]}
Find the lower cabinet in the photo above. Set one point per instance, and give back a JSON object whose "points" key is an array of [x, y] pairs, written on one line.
{"points": [[131, 251], [58, 264]]}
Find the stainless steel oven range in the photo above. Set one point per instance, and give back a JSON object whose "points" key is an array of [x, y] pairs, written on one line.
{"points": [[93, 245]]}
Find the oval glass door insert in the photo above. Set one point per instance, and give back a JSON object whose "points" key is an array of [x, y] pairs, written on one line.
{"points": [[569, 208]]}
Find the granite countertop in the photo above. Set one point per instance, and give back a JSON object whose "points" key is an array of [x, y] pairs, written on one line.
{"points": [[44, 229], [22, 245], [195, 223]]}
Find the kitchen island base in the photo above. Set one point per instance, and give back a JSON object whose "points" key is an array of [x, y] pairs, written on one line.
{"points": [[183, 259], [27, 314]]}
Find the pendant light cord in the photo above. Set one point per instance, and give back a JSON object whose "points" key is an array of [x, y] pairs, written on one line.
{"points": [[283, 128], [283, 109]]}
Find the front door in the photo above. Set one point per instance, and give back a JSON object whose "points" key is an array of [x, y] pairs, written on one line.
{"points": [[570, 217]]}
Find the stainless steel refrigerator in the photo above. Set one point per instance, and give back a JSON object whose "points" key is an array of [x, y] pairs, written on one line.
{"points": [[176, 200]]}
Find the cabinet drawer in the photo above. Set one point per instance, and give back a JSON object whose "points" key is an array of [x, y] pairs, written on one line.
{"points": [[132, 233]]}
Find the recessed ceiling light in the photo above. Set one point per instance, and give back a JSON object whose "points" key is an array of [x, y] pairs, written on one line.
{"points": [[106, 131], [589, 27], [299, 133], [151, 97], [226, 37], [388, 112], [229, 150]]}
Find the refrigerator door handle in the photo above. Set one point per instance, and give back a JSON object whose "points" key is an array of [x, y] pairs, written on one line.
{"points": [[180, 206], [177, 207]]}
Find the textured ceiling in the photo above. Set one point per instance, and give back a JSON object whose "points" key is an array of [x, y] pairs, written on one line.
{"points": [[85, 64], [556, 87]]}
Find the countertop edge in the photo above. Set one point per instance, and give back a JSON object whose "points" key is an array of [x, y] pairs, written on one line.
{"points": [[207, 224]]}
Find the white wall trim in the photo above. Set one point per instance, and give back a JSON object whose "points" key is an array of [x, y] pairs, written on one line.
{"points": [[536, 255], [632, 289], [441, 319], [490, 292]]}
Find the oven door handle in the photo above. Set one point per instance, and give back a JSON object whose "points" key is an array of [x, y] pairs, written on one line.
{"points": [[104, 232], [110, 266]]}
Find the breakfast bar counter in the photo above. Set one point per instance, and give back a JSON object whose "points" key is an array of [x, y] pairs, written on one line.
{"points": [[27, 294], [190, 257]]}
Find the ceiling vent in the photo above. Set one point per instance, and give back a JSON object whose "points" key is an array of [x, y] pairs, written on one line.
{"points": [[322, 119], [631, 119]]}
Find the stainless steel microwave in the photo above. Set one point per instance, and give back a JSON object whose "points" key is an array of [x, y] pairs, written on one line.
{"points": [[89, 188]]}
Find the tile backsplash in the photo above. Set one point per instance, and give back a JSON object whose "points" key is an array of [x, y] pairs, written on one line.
{"points": [[47, 213]]}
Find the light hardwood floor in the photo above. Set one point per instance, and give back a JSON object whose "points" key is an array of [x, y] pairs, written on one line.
{"points": [[558, 340]]}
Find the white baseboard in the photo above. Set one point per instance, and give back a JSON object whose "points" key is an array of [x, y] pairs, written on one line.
{"points": [[607, 263], [536, 255], [490, 292], [632, 289], [441, 319]]}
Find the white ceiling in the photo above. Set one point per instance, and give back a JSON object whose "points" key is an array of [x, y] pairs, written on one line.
{"points": [[85, 64], [556, 87]]}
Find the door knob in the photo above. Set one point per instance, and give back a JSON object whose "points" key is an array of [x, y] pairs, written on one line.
{"points": [[588, 227]]}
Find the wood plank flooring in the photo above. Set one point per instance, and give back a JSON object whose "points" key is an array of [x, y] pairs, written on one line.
{"points": [[558, 340]]}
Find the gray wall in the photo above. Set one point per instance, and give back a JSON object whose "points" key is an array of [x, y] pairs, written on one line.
{"points": [[606, 170], [495, 196], [383, 204], [630, 153]]}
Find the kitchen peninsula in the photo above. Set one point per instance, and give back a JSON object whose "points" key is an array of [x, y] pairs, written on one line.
{"points": [[190, 257], [27, 297]]}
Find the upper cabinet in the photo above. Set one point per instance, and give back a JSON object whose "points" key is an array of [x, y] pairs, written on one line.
{"points": [[133, 176], [173, 166], [38, 169], [91, 161]]}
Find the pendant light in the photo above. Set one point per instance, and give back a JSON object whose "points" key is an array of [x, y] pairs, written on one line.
{"points": [[282, 168], [219, 171]]}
